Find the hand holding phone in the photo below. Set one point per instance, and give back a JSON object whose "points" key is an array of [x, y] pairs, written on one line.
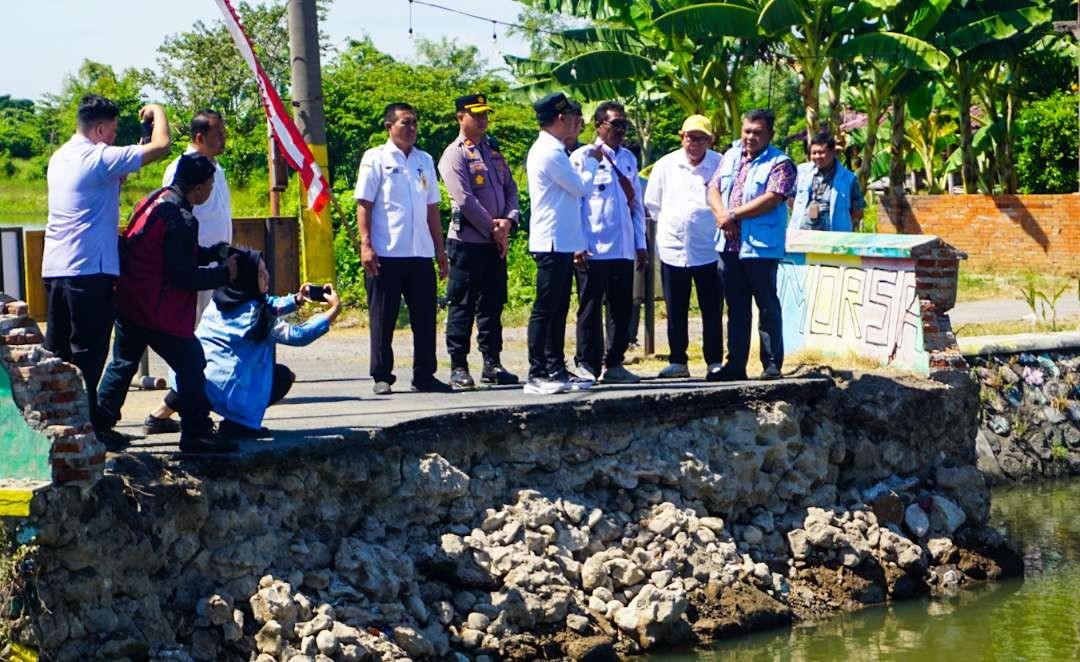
{"points": [[316, 293]]}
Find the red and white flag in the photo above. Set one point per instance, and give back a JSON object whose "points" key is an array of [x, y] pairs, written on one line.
{"points": [[283, 129]]}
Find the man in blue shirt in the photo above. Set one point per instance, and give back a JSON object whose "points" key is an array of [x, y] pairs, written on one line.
{"points": [[827, 195], [81, 261], [747, 197]]}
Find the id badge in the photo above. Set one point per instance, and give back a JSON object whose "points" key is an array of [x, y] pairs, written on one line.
{"points": [[813, 211]]}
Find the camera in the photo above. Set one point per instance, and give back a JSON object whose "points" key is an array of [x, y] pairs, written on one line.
{"points": [[222, 250], [317, 293]]}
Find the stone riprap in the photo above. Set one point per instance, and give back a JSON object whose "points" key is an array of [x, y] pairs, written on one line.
{"points": [[599, 527], [1029, 410]]}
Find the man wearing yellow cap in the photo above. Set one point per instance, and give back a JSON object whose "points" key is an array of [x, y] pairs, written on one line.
{"points": [[685, 227]]}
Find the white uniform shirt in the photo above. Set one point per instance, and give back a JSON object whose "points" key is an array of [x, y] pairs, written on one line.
{"points": [[82, 233], [556, 188], [215, 215], [676, 196], [400, 189], [616, 232]]}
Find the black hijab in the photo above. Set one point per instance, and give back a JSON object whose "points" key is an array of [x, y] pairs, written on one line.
{"points": [[244, 289]]}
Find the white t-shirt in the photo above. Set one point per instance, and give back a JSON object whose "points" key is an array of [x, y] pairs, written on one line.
{"points": [[556, 189], [400, 189], [82, 233], [214, 215], [677, 197]]}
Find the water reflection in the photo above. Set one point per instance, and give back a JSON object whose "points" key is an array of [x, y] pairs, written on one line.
{"points": [[1037, 618]]}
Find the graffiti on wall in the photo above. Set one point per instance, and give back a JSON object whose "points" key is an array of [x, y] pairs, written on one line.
{"points": [[839, 304]]}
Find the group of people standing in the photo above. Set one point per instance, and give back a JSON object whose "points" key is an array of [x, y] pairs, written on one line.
{"points": [[721, 223], [174, 283]]}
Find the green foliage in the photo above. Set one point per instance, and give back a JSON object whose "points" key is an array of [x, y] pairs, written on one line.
{"points": [[1046, 149]]}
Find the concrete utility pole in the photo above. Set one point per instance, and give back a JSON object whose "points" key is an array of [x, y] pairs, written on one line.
{"points": [[317, 237]]}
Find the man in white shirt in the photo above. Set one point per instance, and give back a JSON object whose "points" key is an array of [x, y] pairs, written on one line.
{"points": [[397, 212], [685, 242], [616, 218], [215, 215], [558, 240], [81, 259]]}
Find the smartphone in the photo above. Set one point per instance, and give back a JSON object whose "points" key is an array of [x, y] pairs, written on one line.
{"points": [[317, 293], [147, 130]]}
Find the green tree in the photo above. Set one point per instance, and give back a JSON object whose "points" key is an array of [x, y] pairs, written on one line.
{"points": [[1046, 145], [449, 54]]}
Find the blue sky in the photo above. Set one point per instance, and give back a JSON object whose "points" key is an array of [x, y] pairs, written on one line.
{"points": [[46, 39]]}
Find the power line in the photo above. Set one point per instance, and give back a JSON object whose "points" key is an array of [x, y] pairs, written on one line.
{"points": [[494, 21]]}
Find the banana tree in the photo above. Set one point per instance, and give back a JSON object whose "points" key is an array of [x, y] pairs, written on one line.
{"points": [[640, 51], [979, 37], [894, 61], [930, 132]]}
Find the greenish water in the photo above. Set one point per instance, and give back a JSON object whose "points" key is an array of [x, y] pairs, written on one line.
{"points": [[1035, 618]]}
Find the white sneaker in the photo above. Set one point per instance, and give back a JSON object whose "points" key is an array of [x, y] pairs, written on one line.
{"points": [[582, 381], [545, 386], [675, 371], [619, 375]]}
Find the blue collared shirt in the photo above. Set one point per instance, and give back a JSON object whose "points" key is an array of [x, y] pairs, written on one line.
{"points": [[82, 233]]}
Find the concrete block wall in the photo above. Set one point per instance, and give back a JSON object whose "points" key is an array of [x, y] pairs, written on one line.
{"points": [[1038, 233], [51, 396]]}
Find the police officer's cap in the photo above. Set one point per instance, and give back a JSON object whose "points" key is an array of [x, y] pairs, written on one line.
{"points": [[554, 104], [192, 170], [473, 103]]}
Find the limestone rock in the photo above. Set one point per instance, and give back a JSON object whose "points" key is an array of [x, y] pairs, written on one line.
{"points": [[268, 638], [413, 642], [916, 520], [327, 643], [945, 515], [274, 603]]}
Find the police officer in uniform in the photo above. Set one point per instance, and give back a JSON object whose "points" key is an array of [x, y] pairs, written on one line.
{"points": [[485, 209]]}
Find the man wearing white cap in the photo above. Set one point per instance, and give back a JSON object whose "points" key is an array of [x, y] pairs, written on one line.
{"points": [[685, 227]]}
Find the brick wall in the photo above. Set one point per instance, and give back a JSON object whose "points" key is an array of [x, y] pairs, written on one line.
{"points": [[937, 267], [1003, 232], [51, 395]]}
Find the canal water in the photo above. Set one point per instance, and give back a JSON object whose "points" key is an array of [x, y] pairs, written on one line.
{"points": [[1034, 618]]}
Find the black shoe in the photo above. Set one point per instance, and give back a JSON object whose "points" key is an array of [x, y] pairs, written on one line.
{"points": [[114, 441], [431, 385], [230, 430], [494, 373], [201, 444], [726, 374], [154, 425], [461, 380], [771, 372]]}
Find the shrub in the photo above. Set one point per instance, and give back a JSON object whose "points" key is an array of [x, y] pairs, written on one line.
{"points": [[1046, 145]]}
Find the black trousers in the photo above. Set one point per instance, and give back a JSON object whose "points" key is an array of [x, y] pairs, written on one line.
{"points": [[283, 379], [476, 288], [414, 279], [743, 279], [710, 296], [612, 280], [547, 322], [635, 310], [184, 355], [80, 321]]}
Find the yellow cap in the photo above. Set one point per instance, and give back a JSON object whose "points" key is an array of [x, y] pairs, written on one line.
{"points": [[697, 123]]}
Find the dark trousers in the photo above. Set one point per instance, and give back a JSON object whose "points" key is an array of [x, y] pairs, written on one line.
{"points": [[80, 321], [283, 379], [184, 355], [634, 320], [743, 279], [710, 296], [604, 279], [547, 322], [414, 279], [476, 288]]}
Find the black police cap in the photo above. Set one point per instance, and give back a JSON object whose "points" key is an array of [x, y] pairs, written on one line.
{"points": [[192, 170], [553, 104], [473, 103]]}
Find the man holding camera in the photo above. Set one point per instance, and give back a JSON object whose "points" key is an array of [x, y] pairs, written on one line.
{"points": [[215, 215], [80, 261], [160, 274], [485, 209]]}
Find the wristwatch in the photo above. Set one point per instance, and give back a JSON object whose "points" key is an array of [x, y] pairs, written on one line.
{"points": [[732, 216]]}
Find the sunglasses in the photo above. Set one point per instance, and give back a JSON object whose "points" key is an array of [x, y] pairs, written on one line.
{"points": [[620, 124]]}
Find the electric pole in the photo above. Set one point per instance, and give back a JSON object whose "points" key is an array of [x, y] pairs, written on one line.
{"points": [[317, 237]]}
